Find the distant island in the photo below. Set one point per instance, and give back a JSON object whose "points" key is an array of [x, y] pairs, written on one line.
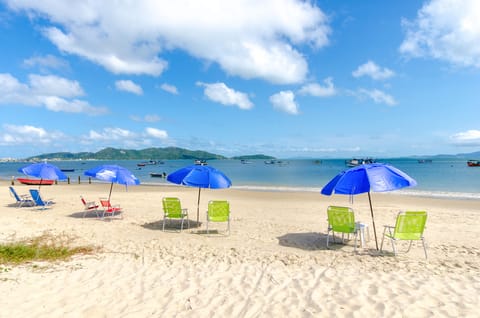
{"points": [[167, 153], [175, 153]]}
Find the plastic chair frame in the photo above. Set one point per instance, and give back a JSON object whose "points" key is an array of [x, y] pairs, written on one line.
{"points": [[397, 233], [108, 208], [21, 198], [90, 206], [219, 211], [172, 209], [341, 220]]}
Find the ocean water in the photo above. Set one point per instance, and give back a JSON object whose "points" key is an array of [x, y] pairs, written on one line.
{"points": [[441, 178]]}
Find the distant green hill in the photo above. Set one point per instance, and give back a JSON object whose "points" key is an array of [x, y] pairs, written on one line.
{"points": [[168, 153], [250, 157], [126, 154]]}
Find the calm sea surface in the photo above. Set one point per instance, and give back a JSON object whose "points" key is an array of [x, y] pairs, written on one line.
{"points": [[440, 178]]}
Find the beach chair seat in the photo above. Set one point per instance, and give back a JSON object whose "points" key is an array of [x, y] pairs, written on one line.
{"points": [[218, 211], [21, 199], [37, 198], [409, 226], [109, 209], [172, 209], [89, 206], [341, 220]]}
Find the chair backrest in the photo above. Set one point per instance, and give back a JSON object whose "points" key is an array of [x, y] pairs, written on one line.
{"points": [[105, 203], [341, 219], [172, 207], [218, 211], [410, 225], [83, 201], [15, 195], [36, 197]]}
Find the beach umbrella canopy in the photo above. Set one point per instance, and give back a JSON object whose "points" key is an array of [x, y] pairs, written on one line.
{"points": [[376, 177], [200, 176], [43, 170], [113, 174]]}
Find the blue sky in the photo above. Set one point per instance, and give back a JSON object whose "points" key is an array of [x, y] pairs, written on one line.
{"points": [[288, 78]]}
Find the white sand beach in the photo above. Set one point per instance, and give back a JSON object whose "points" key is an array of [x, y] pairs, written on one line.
{"points": [[274, 264]]}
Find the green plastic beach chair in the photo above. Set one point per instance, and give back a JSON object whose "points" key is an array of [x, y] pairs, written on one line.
{"points": [[218, 211], [408, 227], [172, 209], [341, 220]]}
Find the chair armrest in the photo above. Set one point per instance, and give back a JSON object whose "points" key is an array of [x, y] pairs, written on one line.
{"points": [[389, 228]]}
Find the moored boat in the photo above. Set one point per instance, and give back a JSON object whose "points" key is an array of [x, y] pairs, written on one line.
{"points": [[473, 163], [356, 162], [158, 175], [425, 160], [35, 181]]}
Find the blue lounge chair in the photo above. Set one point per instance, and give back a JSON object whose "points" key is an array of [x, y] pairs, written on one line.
{"points": [[38, 199], [22, 199]]}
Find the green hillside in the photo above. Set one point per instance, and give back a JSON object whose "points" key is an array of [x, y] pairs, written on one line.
{"points": [[168, 153]]}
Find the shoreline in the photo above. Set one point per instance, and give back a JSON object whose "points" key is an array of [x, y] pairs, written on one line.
{"points": [[274, 262], [402, 192]]}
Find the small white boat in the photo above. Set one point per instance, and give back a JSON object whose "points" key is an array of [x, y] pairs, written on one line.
{"points": [[356, 162]]}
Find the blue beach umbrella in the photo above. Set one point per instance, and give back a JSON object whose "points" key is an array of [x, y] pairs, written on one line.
{"points": [[376, 177], [200, 176], [113, 174], [43, 171]]}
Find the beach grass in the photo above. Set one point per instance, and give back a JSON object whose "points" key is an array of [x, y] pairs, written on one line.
{"points": [[46, 247]]}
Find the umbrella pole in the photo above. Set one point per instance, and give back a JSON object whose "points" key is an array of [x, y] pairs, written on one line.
{"points": [[198, 206], [373, 219], [110, 194]]}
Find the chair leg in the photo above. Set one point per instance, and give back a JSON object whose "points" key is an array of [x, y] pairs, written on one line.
{"points": [[394, 247], [383, 238], [424, 247], [163, 229], [181, 226], [328, 235], [355, 246]]}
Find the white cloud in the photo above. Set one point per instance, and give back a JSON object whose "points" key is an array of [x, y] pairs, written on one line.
{"points": [[246, 38], [285, 101], [169, 88], [52, 92], [467, 138], [378, 96], [147, 118], [156, 133], [129, 86], [46, 62], [446, 30], [51, 85], [109, 133], [373, 70], [317, 90], [221, 93], [28, 135], [124, 138]]}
